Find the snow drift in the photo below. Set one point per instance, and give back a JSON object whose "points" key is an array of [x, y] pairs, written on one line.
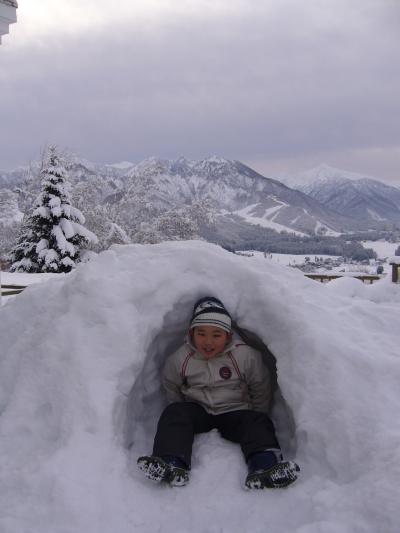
{"points": [[80, 397]]}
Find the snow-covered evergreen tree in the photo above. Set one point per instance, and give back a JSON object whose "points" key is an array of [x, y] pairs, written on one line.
{"points": [[176, 225], [107, 231], [148, 234], [172, 225], [179, 223], [23, 256], [54, 234]]}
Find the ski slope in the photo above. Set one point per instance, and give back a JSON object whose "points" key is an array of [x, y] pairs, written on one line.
{"points": [[79, 398]]}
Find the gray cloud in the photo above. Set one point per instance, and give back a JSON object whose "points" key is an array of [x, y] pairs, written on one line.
{"points": [[272, 82]]}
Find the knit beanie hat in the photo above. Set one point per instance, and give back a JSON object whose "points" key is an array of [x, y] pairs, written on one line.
{"points": [[210, 311]]}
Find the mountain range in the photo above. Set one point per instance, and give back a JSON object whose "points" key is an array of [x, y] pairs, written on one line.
{"points": [[323, 201], [362, 197]]}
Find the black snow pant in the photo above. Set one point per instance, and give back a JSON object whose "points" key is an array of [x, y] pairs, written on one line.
{"points": [[180, 421]]}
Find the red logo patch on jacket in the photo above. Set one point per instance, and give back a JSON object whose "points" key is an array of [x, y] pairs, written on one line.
{"points": [[225, 372]]}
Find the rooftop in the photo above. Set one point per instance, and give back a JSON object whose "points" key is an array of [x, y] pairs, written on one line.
{"points": [[8, 15], [12, 3]]}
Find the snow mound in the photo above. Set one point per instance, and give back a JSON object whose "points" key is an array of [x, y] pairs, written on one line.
{"points": [[80, 396]]}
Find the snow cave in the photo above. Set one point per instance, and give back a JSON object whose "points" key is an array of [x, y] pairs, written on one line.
{"points": [[146, 399], [80, 397]]}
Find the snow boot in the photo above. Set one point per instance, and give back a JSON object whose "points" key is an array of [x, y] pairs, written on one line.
{"points": [[266, 471], [278, 476], [167, 469]]}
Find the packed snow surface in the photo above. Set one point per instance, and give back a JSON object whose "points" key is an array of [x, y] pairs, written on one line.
{"points": [[383, 249], [79, 383]]}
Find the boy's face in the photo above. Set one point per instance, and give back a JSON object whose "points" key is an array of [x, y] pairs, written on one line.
{"points": [[210, 340]]}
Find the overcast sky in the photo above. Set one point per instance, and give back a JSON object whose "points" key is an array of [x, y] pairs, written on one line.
{"points": [[281, 85]]}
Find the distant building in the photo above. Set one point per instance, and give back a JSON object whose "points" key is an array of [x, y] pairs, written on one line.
{"points": [[8, 15], [395, 264]]}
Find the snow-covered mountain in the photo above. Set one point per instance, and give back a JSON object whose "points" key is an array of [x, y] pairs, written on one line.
{"points": [[321, 173], [233, 189], [122, 165], [362, 197], [243, 201], [9, 210], [10, 178]]}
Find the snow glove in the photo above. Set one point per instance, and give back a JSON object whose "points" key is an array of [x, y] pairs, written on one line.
{"points": [[266, 472], [168, 469]]}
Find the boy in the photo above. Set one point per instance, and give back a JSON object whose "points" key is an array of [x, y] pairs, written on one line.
{"points": [[213, 382]]}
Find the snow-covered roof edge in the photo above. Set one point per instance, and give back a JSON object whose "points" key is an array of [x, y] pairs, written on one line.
{"points": [[12, 3], [8, 15]]}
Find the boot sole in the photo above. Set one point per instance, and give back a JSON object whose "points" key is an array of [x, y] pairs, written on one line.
{"points": [[157, 470], [153, 468], [279, 476]]}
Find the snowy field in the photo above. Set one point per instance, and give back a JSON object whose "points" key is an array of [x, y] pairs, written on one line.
{"points": [[22, 278], [79, 382], [383, 249], [288, 259]]}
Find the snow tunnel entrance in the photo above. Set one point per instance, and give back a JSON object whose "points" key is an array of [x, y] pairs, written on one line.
{"points": [[146, 398]]}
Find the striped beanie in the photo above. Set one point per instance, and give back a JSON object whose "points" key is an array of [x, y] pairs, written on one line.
{"points": [[210, 311]]}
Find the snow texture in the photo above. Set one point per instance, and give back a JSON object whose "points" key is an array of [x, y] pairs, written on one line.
{"points": [[79, 381]]}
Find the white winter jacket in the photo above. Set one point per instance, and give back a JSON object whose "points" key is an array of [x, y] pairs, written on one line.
{"points": [[234, 380]]}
